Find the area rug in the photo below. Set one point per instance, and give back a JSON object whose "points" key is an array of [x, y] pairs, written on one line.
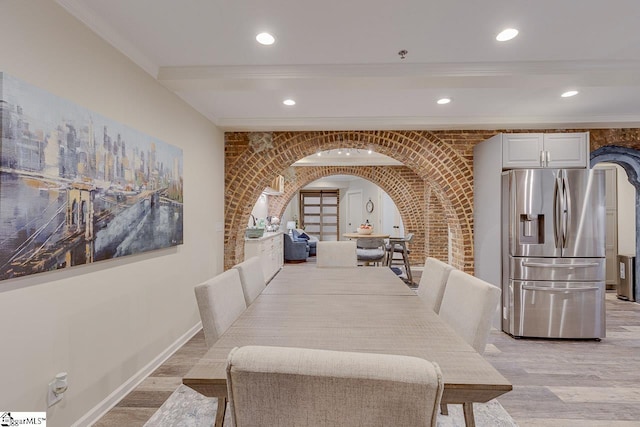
{"points": [[188, 408]]}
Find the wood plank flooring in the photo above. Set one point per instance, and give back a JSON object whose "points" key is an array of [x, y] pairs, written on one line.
{"points": [[555, 382]]}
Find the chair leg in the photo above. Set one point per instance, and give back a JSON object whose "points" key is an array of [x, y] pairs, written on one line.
{"points": [[407, 266], [443, 409]]}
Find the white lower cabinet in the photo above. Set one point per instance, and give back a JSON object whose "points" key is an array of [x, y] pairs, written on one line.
{"points": [[270, 249]]}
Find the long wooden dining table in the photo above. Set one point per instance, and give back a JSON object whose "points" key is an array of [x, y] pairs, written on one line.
{"points": [[362, 309]]}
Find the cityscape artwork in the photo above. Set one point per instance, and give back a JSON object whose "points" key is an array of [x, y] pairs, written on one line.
{"points": [[77, 187]]}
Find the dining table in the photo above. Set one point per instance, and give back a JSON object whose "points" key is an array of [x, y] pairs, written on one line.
{"points": [[358, 309], [365, 236]]}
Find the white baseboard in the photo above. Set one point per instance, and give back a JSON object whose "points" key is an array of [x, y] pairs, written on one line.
{"points": [[118, 394]]}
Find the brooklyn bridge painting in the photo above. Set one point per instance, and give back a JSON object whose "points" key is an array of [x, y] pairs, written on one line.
{"points": [[77, 187]]}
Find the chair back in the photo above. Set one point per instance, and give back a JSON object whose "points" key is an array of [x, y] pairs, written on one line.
{"points": [[336, 254], [370, 249], [276, 386], [220, 301], [369, 243], [251, 278], [468, 306], [433, 282]]}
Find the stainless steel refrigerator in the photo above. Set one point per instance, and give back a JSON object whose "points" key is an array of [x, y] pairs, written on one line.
{"points": [[553, 231]]}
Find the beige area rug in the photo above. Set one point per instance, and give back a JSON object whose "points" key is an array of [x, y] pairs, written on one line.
{"points": [[188, 408]]}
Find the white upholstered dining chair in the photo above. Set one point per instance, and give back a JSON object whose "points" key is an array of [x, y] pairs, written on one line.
{"points": [[251, 278], [336, 254], [277, 386], [468, 306], [433, 282], [220, 301]]}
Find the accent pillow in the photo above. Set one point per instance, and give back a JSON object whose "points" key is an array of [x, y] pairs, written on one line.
{"points": [[295, 234], [303, 236]]}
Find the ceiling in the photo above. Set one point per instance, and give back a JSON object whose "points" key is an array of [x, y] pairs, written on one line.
{"points": [[339, 60]]}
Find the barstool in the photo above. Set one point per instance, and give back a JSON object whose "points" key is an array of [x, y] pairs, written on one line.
{"points": [[399, 245]]}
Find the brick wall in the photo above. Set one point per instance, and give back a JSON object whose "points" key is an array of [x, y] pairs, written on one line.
{"points": [[405, 188], [435, 185]]}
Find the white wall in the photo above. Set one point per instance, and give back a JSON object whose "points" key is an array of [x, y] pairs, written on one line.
{"points": [[626, 214], [260, 210], [103, 323], [369, 190]]}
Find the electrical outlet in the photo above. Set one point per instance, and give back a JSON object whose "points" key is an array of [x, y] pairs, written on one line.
{"points": [[57, 387], [52, 398]]}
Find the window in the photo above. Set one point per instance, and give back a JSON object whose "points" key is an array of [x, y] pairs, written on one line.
{"points": [[319, 213]]}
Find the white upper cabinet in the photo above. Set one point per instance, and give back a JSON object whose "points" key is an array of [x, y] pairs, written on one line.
{"points": [[545, 150]]}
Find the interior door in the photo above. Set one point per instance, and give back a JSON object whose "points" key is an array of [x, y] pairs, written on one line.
{"points": [[611, 221], [354, 211]]}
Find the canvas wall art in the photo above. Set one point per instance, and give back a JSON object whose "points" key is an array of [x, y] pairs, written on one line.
{"points": [[77, 187]]}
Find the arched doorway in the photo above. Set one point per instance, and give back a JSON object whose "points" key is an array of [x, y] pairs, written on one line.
{"points": [[629, 160], [445, 169]]}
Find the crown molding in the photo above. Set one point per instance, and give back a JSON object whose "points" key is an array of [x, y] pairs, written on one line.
{"points": [[84, 14], [424, 123]]}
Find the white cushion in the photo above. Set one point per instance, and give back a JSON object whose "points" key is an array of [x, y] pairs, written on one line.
{"points": [[433, 282], [251, 278], [220, 301], [468, 306]]}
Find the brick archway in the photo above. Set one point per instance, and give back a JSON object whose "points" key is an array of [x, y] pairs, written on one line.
{"points": [[444, 167], [404, 187]]}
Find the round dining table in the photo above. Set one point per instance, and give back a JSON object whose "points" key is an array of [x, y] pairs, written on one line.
{"points": [[365, 236]]}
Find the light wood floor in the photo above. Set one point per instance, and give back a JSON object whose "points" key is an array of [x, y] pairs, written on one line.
{"points": [[555, 383]]}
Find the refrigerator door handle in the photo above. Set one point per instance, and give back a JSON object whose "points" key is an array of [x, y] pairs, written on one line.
{"points": [[557, 208], [568, 266], [566, 224], [559, 290]]}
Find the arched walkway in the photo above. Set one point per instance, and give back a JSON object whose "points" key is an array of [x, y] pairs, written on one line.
{"points": [[394, 180], [629, 159], [445, 170]]}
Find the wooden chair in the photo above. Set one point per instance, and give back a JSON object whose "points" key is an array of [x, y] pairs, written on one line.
{"points": [[468, 306], [277, 386], [220, 301], [251, 278], [336, 254], [433, 282], [399, 245]]}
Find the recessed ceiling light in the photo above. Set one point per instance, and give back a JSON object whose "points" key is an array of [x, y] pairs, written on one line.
{"points": [[319, 153], [370, 151], [569, 93], [289, 102], [265, 39], [443, 101], [507, 34]]}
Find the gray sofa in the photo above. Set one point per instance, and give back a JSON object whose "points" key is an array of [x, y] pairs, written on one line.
{"points": [[312, 241], [295, 250]]}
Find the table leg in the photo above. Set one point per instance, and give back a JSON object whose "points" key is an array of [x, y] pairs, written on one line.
{"points": [[467, 408], [443, 409], [222, 408]]}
